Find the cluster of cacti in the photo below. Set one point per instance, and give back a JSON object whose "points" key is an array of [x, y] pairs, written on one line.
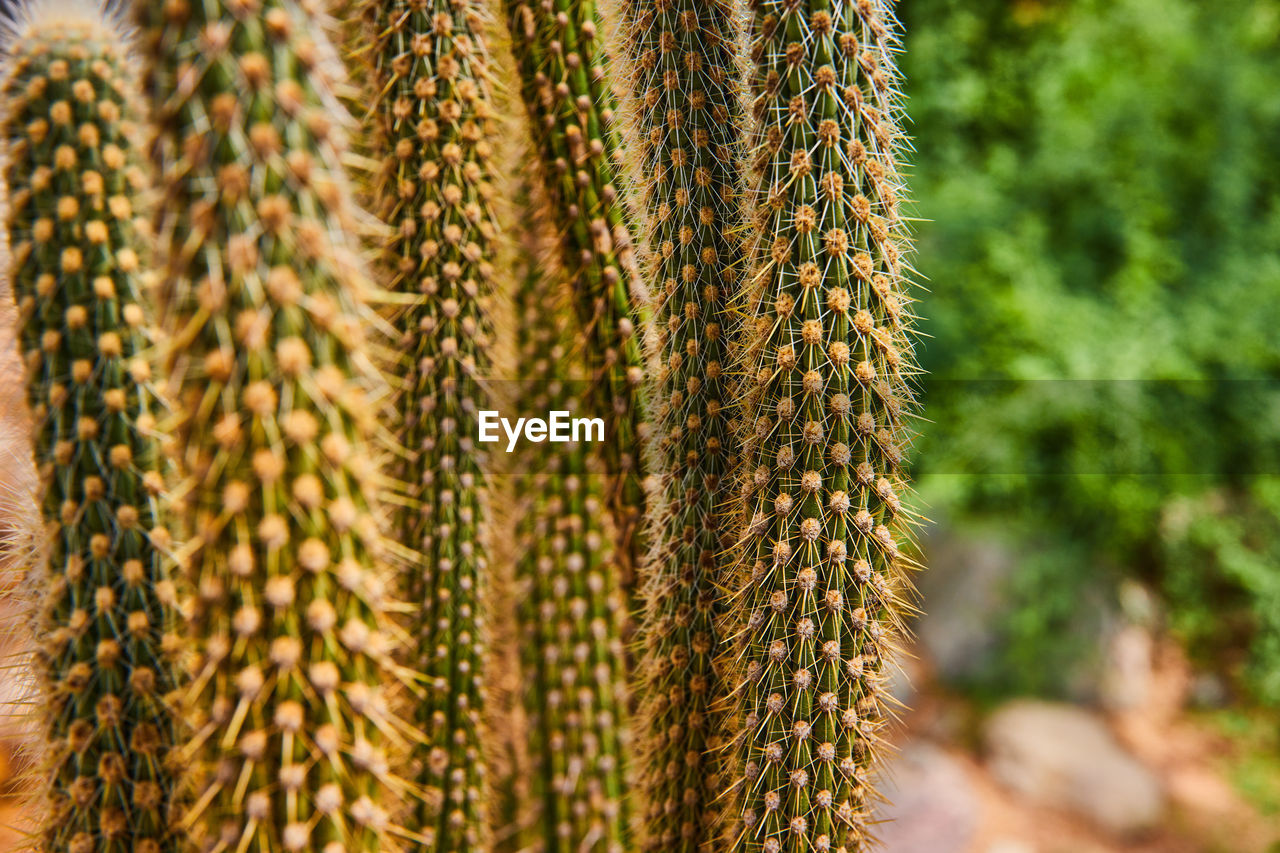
{"points": [[333, 540], [564, 81], [270, 355], [434, 126], [825, 425], [107, 654], [685, 120], [572, 609]]}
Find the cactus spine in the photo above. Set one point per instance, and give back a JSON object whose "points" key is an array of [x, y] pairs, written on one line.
{"points": [[686, 118], [831, 361], [271, 361], [107, 654], [434, 128], [572, 611], [564, 80]]}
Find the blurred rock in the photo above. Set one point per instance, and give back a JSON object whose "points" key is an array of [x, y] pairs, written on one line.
{"points": [[962, 593], [904, 676], [1127, 675], [1209, 691], [1064, 757], [931, 806]]}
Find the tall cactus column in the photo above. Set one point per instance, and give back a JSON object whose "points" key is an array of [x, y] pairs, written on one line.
{"points": [[107, 654], [559, 50], [825, 525], [572, 610], [270, 357], [433, 135], [686, 119]]}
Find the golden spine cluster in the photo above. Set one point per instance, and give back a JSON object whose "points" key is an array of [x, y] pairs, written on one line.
{"points": [[326, 533]]}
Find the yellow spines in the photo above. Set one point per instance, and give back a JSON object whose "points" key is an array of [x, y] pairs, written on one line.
{"points": [[107, 648], [685, 120], [433, 130], [825, 527], [271, 360]]}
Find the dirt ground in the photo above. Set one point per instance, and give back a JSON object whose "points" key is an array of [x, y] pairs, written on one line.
{"points": [[1206, 814]]}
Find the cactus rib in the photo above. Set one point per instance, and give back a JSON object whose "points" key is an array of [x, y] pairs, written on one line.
{"points": [[108, 649], [825, 529]]}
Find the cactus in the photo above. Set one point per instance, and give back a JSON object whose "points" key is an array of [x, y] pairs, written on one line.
{"points": [[433, 129], [572, 611], [273, 367], [559, 50], [825, 528], [107, 653], [686, 118]]}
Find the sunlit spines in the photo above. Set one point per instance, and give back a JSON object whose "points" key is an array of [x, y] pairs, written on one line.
{"points": [[107, 649], [433, 132], [685, 119], [271, 357], [572, 610], [564, 80], [825, 530]]}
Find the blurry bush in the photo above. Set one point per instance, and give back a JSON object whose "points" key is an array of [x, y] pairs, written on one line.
{"points": [[1102, 184]]}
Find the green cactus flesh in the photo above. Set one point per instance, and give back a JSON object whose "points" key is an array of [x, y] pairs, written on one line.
{"points": [[107, 653], [825, 529], [558, 46], [686, 120], [571, 613], [434, 130], [271, 362]]}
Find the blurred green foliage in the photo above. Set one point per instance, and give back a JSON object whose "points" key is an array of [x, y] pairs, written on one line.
{"points": [[1101, 180], [1254, 762]]}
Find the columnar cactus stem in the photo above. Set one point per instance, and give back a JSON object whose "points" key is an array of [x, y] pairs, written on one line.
{"points": [[271, 358], [434, 131], [686, 118], [559, 49], [107, 653], [831, 360], [572, 611]]}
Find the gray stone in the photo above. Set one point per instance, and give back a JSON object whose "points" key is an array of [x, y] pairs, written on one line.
{"points": [[962, 594], [931, 806], [1064, 757], [965, 601], [1127, 672]]}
